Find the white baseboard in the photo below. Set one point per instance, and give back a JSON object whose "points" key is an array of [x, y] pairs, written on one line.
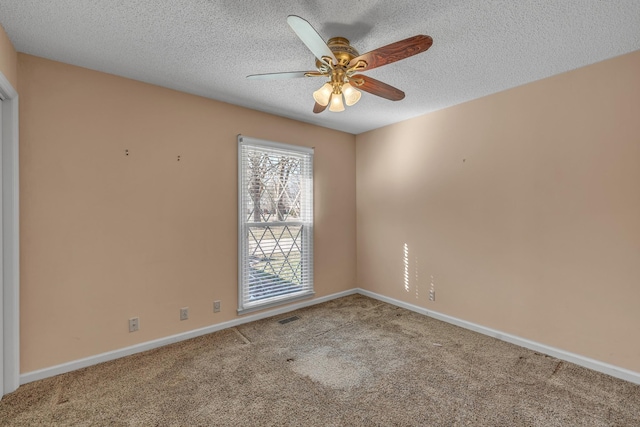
{"points": [[593, 364], [149, 345]]}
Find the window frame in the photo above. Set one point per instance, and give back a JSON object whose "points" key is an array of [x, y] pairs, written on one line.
{"points": [[307, 225]]}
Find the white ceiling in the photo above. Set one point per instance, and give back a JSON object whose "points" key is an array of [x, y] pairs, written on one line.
{"points": [[207, 47]]}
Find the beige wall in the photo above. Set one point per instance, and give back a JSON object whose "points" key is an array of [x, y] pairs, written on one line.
{"points": [[522, 208], [8, 59], [105, 237]]}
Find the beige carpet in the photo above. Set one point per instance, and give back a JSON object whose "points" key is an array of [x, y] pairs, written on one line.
{"points": [[350, 362]]}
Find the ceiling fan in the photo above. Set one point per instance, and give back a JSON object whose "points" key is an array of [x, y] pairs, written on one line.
{"points": [[341, 63]]}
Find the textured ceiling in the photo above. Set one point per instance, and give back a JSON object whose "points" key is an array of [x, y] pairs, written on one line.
{"points": [[208, 47]]}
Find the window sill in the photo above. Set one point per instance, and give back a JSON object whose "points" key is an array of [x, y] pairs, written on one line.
{"points": [[273, 302]]}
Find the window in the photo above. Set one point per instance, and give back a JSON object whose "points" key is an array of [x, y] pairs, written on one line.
{"points": [[275, 227]]}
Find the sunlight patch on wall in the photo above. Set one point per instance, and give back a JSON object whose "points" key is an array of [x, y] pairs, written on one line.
{"points": [[406, 267], [417, 270]]}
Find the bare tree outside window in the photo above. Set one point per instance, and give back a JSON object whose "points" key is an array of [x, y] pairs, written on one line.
{"points": [[274, 186], [256, 183]]}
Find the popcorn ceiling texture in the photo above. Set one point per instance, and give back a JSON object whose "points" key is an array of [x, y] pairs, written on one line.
{"points": [[208, 47]]}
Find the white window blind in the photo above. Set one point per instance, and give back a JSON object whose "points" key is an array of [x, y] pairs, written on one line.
{"points": [[275, 227]]}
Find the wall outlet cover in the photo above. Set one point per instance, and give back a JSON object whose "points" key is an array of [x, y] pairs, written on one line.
{"points": [[134, 324]]}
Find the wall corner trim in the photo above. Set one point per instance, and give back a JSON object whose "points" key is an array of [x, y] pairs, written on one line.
{"points": [[596, 365], [10, 240]]}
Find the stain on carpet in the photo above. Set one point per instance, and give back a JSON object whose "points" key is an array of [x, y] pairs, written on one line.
{"points": [[331, 369]]}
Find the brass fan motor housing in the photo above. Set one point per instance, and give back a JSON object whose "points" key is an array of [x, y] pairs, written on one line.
{"points": [[342, 50]]}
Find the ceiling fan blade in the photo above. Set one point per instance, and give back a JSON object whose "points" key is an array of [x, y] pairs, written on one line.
{"points": [[394, 52], [311, 38], [285, 75], [376, 87], [319, 108]]}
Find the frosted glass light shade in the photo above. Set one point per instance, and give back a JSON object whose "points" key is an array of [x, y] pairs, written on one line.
{"points": [[336, 103], [351, 95], [323, 94]]}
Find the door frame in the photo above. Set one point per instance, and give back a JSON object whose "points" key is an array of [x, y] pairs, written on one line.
{"points": [[10, 295]]}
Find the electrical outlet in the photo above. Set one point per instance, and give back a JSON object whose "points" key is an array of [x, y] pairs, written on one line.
{"points": [[216, 306], [184, 313], [134, 324]]}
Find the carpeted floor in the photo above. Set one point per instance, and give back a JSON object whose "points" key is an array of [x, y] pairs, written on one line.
{"points": [[353, 361]]}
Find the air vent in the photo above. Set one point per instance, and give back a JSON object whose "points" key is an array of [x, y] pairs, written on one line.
{"points": [[288, 319]]}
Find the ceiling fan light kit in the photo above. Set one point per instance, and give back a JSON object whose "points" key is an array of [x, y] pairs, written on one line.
{"points": [[340, 76], [338, 61]]}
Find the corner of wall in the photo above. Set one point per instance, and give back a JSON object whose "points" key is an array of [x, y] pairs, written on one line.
{"points": [[8, 59]]}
